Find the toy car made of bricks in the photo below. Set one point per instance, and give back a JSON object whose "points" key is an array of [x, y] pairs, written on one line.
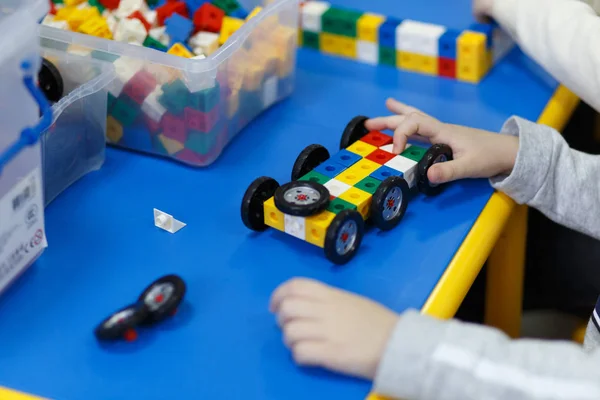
{"points": [[330, 198]]}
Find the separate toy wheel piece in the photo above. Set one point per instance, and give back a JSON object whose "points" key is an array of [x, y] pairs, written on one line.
{"points": [[253, 211], [389, 203], [344, 236], [436, 154], [355, 130], [162, 298], [50, 81], [122, 324], [310, 158], [301, 198]]}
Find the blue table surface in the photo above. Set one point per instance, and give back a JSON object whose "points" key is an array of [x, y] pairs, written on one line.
{"points": [[104, 249]]}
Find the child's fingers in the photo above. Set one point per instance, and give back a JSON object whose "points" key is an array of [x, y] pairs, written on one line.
{"points": [[383, 123], [415, 124], [297, 331], [448, 171], [311, 353], [298, 287], [400, 108], [296, 308]]}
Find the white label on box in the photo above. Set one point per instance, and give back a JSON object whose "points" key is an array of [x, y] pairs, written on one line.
{"points": [[22, 234]]}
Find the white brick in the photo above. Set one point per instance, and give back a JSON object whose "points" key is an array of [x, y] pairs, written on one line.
{"points": [[418, 37], [295, 226], [130, 31], [367, 52], [152, 108], [312, 12], [208, 42], [152, 17], [160, 35], [336, 188], [405, 165], [270, 91], [128, 7]]}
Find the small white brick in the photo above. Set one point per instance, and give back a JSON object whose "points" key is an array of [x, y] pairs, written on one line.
{"points": [[295, 226], [130, 31], [367, 52], [336, 188], [160, 35], [112, 22], [116, 87], [128, 7], [207, 41], [312, 12], [49, 21], [418, 37], [405, 165], [199, 55], [127, 67], [390, 147], [270, 91], [152, 17], [152, 108]]}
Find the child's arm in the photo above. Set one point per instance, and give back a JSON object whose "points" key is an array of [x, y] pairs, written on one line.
{"points": [[538, 168], [561, 35], [411, 356]]}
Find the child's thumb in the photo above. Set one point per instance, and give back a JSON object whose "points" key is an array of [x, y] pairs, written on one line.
{"points": [[446, 172]]}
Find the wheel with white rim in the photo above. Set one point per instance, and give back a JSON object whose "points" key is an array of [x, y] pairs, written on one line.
{"points": [[389, 203], [162, 298], [437, 153], [344, 236], [301, 198], [122, 324]]}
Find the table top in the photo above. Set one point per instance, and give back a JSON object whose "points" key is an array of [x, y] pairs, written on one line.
{"points": [[104, 249]]}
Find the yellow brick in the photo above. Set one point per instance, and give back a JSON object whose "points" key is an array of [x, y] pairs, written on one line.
{"points": [[316, 227], [180, 50], [428, 65], [114, 130], [360, 198], [408, 61], [229, 27], [171, 145], [300, 38], [79, 16], [368, 27], [253, 77], [348, 47], [273, 217], [233, 103], [64, 13], [471, 44], [283, 37], [357, 172], [472, 62], [361, 148], [96, 27], [71, 3], [254, 13], [285, 66], [338, 45]]}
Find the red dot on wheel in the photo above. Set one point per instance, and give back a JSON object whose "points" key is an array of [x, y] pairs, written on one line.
{"points": [[130, 335], [159, 298]]}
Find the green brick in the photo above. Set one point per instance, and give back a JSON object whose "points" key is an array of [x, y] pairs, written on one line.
{"points": [[316, 177], [338, 205], [368, 185], [58, 1], [205, 100], [104, 56], [111, 100], [154, 44], [340, 22], [125, 111], [97, 4], [175, 97], [387, 56], [228, 6], [152, 3], [415, 153], [311, 40]]}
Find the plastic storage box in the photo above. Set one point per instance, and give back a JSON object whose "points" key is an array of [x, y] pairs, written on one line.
{"points": [[75, 143], [186, 109], [22, 231]]}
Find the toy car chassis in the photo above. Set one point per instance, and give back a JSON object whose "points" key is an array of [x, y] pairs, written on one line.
{"points": [[330, 198]]}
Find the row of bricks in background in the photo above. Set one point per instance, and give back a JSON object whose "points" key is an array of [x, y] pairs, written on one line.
{"points": [[406, 44]]}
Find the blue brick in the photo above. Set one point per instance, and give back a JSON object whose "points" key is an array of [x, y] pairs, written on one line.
{"points": [[239, 13], [448, 43], [179, 28], [330, 169], [383, 172], [137, 137], [387, 32], [193, 5], [345, 158], [486, 29]]}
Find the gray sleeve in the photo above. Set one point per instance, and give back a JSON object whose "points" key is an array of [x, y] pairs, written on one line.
{"points": [[562, 183], [428, 359]]}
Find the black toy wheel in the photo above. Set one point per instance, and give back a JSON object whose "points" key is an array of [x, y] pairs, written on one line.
{"points": [[354, 131], [301, 198], [50, 81], [344, 236], [122, 324], [253, 211], [436, 154], [162, 298], [389, 203], [310, 158]]}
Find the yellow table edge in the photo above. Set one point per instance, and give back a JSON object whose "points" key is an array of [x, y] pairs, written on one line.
{"points": [[449, 293]]}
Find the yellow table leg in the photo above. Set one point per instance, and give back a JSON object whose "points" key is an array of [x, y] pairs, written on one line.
{"points": [[505, 275]]}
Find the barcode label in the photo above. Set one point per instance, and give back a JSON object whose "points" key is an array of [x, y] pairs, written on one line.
{"points": [[21, 199]]}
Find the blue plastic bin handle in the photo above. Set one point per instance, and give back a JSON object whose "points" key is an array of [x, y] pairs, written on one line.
{"points": [[29, 136]]}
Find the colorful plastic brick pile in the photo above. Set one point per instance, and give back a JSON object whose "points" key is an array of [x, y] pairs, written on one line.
{"points": [[183, 112], [410, 45]]}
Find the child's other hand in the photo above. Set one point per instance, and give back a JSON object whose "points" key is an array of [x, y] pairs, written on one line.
{"points": [[477, 153], [482, 9], [331, 328]]}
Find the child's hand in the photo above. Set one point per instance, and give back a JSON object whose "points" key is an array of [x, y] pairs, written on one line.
{"points": [[482, 9], [477, 153], [331, 328]]}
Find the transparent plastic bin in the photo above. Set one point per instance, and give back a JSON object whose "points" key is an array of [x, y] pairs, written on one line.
{"points": [[22, 230], [75, 143], [188, 110]]}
